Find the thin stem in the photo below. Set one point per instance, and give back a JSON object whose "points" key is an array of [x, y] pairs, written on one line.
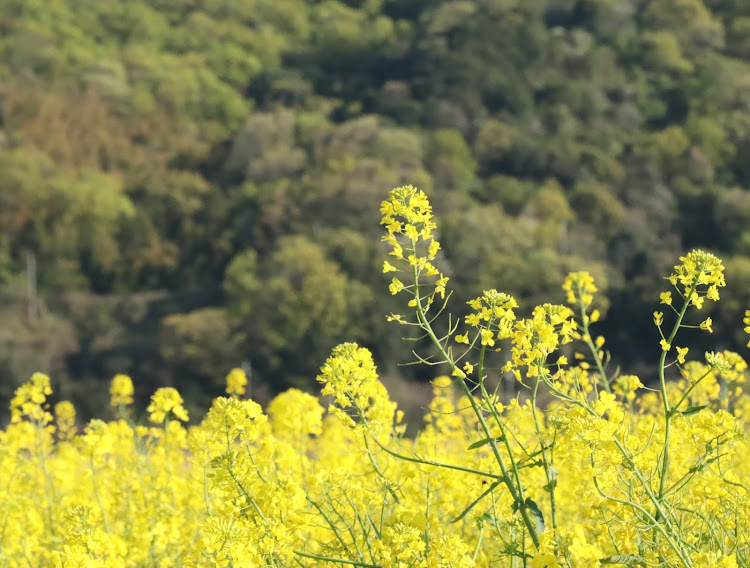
{"points": [[551, 483], [516, 492], [335, 560], [594, 350], [663, 388]]}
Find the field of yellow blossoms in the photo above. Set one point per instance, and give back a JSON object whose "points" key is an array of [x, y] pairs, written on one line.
{"points": [[585, 468]]}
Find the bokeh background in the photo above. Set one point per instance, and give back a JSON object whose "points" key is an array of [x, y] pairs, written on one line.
{"points": [[188, 186]]}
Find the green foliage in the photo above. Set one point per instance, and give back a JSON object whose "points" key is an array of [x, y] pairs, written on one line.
{"points": [[294, 302], [175, 145]]}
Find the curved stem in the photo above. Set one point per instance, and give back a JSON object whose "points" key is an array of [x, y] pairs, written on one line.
{"points": [[515, 491], [665, 400], [591, 346]]}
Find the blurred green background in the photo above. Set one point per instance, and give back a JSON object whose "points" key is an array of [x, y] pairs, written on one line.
{"points": [[188, 186]]}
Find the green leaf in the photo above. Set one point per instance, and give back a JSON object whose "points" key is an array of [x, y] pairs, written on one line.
{"points": [[627, 559], [692, 410], [476, 502], [483, 442], [538, 517], [532, 463], [550, 487], [488, 518]]}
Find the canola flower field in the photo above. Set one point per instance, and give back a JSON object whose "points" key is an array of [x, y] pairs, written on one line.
{"points": [[588, 468]]}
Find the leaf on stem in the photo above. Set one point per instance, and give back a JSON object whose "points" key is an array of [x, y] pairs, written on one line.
{"points": [[484, 441]]}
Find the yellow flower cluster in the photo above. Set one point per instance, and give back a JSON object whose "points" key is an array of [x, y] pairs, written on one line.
{"points": [[29, 400], [244, 488], [407, 216], [121, 390], [620, 447], [537, 337], [236, 382], [575, 473], [699, 276], [579, 286], [350, 376], [493, 315], [165, 402], [292, 487]]}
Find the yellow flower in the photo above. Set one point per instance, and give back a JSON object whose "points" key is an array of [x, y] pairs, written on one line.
{"points": [[580, 286], [388, 267], [666, 298], [545, 560], [473, 319], [65, 416], [664, 345], [396, 286], [698, 267], [605, 403], [440, 286], [236, 382], [487, 338], [469, 368], [706, 324], [583, 553], [697, 300], [164, 401], [30, 400], [411, 232], [394, 227], [658, 318], [295, 415], [681, 352], [121, 390], [433, 249], [713, 293], [350, 375], [464, 338], [626, 386]]}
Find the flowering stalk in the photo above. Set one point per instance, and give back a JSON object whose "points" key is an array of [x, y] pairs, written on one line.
{"points": [[580, 288], [411, 205]]}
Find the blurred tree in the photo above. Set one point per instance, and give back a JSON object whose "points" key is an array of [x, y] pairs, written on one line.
{"points": [[292, 305], [146, 146]]}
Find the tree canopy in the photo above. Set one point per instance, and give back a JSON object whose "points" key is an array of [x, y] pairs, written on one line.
{"points": [[187, 185]]}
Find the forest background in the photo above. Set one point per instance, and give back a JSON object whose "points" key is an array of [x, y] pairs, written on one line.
{"points": [[188, 186]]}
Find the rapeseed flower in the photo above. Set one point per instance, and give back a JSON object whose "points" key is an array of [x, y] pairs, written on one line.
{"points": [[164, 402], [236, 382], [574, 476], [121, 390]]}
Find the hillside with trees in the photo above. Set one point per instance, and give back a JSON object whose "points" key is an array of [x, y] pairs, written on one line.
{"points": [[188, 186]]}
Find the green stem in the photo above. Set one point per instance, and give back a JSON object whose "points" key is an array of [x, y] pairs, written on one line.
{"points": [[330, 524], [335, 560], [592, 347], [98, 495], [668, 530], [665, 400], [49, 486], [375, 465], [516, 492], [546, 462]]}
